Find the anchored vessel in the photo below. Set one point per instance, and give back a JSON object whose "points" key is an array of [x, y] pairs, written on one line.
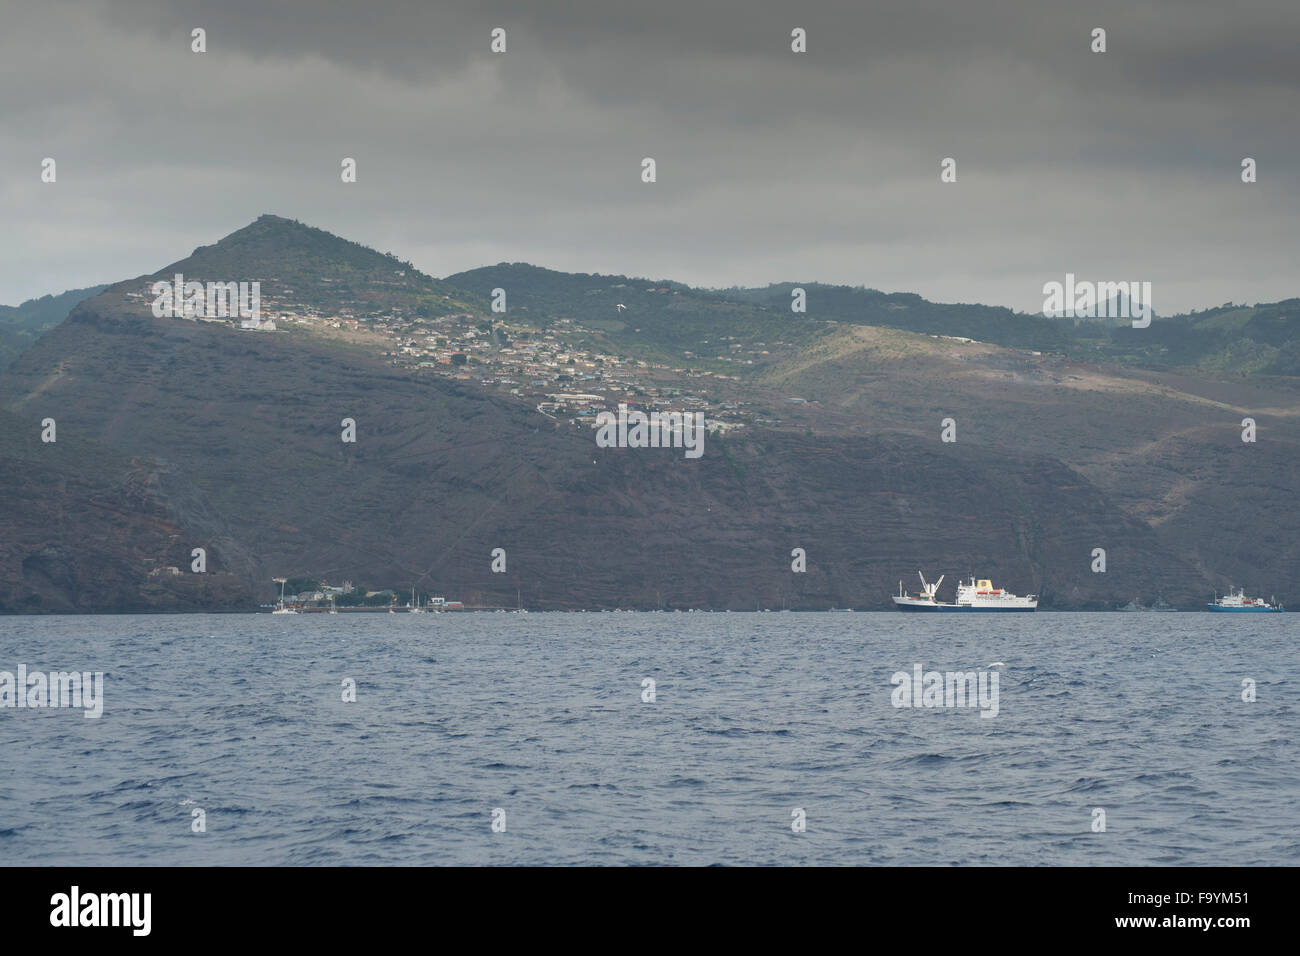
{"points": [[1160, 605], [281, 607], [1238, 602], [975, 595]]}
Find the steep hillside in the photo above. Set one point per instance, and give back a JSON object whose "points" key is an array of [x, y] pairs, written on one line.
{"points": [[85, 529], [248, 429], [22, 325], [236, 437], [1164, 448]]}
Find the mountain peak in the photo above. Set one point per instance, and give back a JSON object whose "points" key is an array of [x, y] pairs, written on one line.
{"points": [[270, 241], [299, 263]]}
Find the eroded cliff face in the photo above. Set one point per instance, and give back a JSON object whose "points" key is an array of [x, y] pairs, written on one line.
{"points": [[231, 441], [84, 529]]}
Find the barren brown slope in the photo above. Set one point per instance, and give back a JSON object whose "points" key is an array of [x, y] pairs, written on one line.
{"points": [[84, 529], [1165, 448], [247, 426]]}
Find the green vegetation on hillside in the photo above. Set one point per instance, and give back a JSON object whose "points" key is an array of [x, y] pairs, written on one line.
{"points": [[657, 319], [22, 325], [861, 306], [662, 319], [315, 267], [1235, 339]]}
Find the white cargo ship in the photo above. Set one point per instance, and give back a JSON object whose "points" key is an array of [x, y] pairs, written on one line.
{"points": [[975, 595]]}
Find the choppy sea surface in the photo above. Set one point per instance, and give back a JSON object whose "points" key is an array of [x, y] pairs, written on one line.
{"points": [[754, 717]]}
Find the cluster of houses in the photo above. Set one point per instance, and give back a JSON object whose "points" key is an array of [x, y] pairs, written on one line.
{"points": [[554, 365], [325, 596], [323, 593]]}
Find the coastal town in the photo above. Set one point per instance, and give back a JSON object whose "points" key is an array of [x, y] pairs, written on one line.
{"points": [[569, 372], [319, 597]]}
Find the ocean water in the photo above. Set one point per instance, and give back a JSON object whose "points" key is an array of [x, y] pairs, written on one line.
{"points": [[755, 716]]}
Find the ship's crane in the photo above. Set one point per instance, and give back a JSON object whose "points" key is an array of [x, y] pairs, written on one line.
{"points": [[929, 590]]}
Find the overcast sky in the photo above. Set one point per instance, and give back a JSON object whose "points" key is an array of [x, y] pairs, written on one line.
{"points": [[772, 165]]}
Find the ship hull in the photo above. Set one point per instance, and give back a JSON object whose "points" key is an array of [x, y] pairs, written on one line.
{"points": [[1244, 610]]}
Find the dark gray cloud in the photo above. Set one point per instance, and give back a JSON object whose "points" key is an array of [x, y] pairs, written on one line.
{"points": [[772, 166]]}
